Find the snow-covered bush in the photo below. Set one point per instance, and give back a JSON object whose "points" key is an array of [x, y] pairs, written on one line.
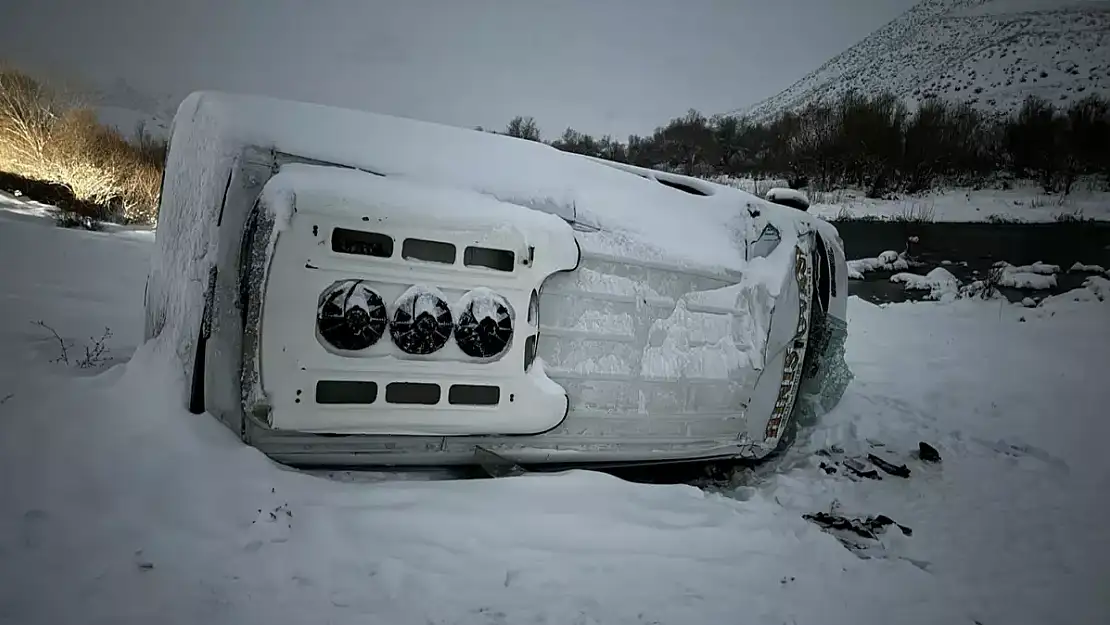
{"points": [[984, 288]]}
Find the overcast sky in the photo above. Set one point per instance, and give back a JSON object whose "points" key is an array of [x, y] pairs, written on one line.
{"points": [[601, 66]]}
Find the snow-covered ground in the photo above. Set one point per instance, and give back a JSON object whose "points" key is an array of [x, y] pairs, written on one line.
{"points": [[1024, 202], [120, 507], [20, 206]]}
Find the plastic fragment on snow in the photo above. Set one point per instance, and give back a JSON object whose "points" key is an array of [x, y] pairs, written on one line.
{"points": [[860, 469], [496, 465], [927, 452], [889, 467], [869, 528]]}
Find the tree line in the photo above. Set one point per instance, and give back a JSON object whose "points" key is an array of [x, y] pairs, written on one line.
{"points": [[875, 143]]}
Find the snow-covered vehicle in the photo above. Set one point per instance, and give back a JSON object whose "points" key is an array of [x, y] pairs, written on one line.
{"points": [[347, 288]]}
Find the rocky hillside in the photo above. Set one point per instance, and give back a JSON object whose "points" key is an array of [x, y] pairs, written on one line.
{"points": [[990, 52]]}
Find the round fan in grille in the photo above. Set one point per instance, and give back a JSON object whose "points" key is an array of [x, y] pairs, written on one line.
{"points": [[421, 324], [485, 325], [351, 316]]}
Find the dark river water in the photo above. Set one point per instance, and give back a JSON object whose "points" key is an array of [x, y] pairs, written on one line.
{"points": [[974, 247]]}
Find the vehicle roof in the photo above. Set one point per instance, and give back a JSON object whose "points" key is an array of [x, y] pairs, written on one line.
{"points": [[641, 217]]}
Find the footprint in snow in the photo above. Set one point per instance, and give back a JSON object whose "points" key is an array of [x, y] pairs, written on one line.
{"points": [[1020, 449]]}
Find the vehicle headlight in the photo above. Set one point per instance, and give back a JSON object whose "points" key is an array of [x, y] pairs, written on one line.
{"points": [[768, 240]]}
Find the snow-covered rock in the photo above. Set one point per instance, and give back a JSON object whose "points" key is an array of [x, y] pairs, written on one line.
{"points": [[1039, 268], [1099, 286], [1093, 295], [887, 261], [940, 283], [788, 197], [1084, 268], [1039, 276]]}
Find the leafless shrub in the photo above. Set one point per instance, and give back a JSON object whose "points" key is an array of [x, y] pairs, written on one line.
{"points": [[96, 351], [71, 219], [985, 288], [46, 137], [834, 197], [1075, 216], [918, 212]]}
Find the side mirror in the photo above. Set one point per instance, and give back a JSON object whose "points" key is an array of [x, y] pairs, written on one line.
{"points": [[788, 197]]}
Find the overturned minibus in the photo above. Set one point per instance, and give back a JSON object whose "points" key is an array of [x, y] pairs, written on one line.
{"points": [[343, 288]]}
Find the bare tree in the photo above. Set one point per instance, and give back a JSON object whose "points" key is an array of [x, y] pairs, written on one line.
{"points": [[28, 114]]}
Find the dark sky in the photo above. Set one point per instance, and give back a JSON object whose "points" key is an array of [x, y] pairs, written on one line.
{"points": [[616, 66]]}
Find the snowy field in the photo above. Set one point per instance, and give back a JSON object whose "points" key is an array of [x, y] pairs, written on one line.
{"points": [[1025, 202], [120, 507]]}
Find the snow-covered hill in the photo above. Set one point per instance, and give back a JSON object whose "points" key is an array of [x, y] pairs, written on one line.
{"points": [[990, 52]]}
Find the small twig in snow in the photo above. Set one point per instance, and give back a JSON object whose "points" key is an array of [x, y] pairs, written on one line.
{"points": [[61, 344]]}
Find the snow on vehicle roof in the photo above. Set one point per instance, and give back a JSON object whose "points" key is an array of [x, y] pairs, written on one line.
{"points": [[646, 218]]}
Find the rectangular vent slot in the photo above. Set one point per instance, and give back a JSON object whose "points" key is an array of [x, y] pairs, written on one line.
{"points": [[346, 392], [500, 260], [473, 395], [412, 393], [361, 243], [529, 351], [431, 251]]}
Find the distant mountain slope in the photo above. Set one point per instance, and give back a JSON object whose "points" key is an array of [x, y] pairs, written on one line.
{"points": [[990, 52], [120, 105]]}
